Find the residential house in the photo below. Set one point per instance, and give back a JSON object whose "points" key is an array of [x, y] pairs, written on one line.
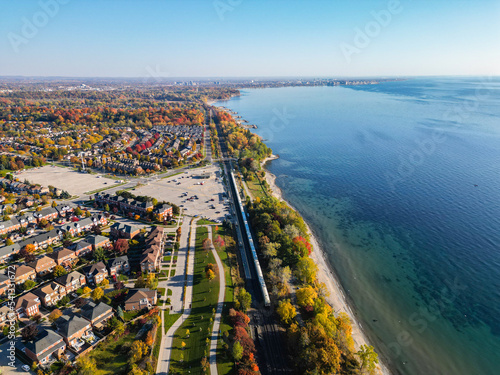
{"points": [[43, 240], [150, 260], [163, 212], [64, 257], [72, 281], [95, 273], [81, 248], [48, 213], [6, 315], [50, 293], [64, 210], [9, 225], [138, 299], [23, 273], [72, 329], [6, 252], [4, 284], [27, 305], [43, 265], [118, 265], [98, 241], [46, 347], [121, 230], [98, 314]]}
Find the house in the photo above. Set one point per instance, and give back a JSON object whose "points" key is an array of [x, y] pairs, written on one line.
{"points": [[72, 281], [23, 273], [163, 212], [150, 261], [98, 314], [98, 241], [4, 284], [9, 225], [50, 293], [27, 305], [45, 347], [64, 210], [43, 265], [6, 315], [95, 273], [48, 213], [120, 230], [118, 265], [138, 299], [81, 248], [6, 252], [43, 240], [64, 257], [72, 328]]}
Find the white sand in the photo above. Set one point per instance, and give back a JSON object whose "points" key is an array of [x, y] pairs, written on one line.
{"points": [[336, 299]]}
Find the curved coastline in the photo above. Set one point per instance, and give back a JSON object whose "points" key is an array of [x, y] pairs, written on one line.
{"points": [[337, 298]]}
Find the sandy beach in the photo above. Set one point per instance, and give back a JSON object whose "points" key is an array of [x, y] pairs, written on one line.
{"points": [[325, 275]]}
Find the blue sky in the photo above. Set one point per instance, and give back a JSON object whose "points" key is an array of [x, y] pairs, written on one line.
{"points": [[234, 38]]}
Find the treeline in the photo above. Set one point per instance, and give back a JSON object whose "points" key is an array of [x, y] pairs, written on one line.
{"points": [[241, 143], [319, 341]]}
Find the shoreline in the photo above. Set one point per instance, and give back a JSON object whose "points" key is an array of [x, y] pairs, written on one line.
{"points": [[326, 275]]}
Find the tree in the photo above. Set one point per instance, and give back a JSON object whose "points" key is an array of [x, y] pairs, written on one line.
{"points": [[78, 211], [97, 294], [104, 282], [86, 365], [119, 313], [306, 270], [80, 302], [306, 296], [237, 351], [121, 246], [368, 357], [286, 311], [54, 315], [28, 255], [99, 255], [245, 299], [28, 284], [183, 345], [29, 332], [210, 275], [9, 242], [59, 271], [106, 208], [137, 350], [86, 290], [207, 244], [29, 248], [54, 204]]}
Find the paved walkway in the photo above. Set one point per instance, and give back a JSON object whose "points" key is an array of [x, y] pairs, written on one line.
{"points": [[220, 305], [168, 338]]}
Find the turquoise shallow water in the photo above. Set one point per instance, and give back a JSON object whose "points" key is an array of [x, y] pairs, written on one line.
{"points": [[401, 183]]}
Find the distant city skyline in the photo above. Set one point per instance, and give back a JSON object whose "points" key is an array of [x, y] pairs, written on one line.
{"points": [[238, 38]]}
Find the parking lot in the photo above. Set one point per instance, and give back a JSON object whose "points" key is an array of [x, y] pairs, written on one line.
{"points": [[194, 194], [73, 182], [4, 362]]}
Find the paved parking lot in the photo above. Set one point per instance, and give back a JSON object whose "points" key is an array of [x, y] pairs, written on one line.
{"points": [[174, 189], [73, 182], [4, 362]]}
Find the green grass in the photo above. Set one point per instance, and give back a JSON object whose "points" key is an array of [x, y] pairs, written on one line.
{"points": [[225, 364], [206, 222], [129, 315], [255, 187], [169, 319], [205, 295], [167, 258], [161, 291], [172, 273], [109, 357], [169, 292]]}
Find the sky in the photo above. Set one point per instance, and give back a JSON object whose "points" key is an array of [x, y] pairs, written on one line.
{"points": [[249, 38]]}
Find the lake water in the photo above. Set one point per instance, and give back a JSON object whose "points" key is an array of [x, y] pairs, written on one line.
{"points": [[401, 183]]}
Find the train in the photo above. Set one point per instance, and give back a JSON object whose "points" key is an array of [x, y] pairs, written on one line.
{"points": [[255, 259]]}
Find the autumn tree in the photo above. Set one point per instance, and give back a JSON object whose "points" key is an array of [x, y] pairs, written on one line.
{"points": [[29, 332], [97, 294], [59, 271], [121, 246], [86, 365], [244, 299], [306, 270], [368, 358], [237, 351], [286, 311], [137, 350], [306, 296], [210, 275], [54, 315]]}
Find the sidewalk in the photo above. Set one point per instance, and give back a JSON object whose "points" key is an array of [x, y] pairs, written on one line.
{"points": [[168, 338]]}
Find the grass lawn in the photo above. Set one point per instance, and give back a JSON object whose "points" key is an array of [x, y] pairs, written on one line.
{"points": [[169, 292], [205, 295], [161, 291], [169, 319], [167, 258], [108, 356], [255, 187], [206, 222], [172, 273], [129, 315], [225, 364]]}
